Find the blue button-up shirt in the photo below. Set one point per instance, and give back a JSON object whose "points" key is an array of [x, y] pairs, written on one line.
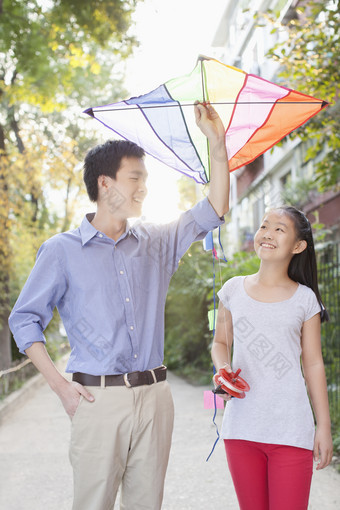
{"points": [[110, 295]]}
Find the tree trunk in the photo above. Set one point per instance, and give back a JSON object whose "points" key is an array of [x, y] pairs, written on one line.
{"points": [[5, 338]]}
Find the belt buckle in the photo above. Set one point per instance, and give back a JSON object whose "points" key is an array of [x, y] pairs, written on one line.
{"points": [[152, 372], [126, 380]]}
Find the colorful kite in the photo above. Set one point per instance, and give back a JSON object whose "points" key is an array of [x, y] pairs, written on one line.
{"points": [[256, 114]]}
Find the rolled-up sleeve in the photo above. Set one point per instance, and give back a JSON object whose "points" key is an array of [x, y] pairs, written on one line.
{"points": [[206, 216], [42, 291], [193, 225]]}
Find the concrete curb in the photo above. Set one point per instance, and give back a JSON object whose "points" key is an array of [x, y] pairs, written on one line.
{"points": [[16, 398]]}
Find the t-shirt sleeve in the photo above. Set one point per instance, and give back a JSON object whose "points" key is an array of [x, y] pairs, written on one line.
{"points": [[312, 305], [225, 293]]}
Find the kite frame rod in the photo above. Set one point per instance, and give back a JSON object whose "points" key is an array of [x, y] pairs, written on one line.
{"points": [[138, 106]]}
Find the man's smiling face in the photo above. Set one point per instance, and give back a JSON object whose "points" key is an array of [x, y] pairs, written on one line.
{"points": [[125, 194]]}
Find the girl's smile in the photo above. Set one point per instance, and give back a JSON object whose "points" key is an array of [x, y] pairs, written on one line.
{"points": [[266, 245]]}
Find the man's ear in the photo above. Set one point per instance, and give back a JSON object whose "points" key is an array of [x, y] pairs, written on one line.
{"points": [[103, 186], [300, 246], [103, 182]]}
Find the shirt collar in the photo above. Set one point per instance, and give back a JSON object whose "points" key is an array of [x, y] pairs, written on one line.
{"points": [[88, 231]]}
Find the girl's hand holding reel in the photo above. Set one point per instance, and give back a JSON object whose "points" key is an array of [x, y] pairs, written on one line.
{"points": [[229, 383]]}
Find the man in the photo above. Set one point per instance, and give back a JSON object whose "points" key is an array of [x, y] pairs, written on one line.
{"points": [[109, 282]]}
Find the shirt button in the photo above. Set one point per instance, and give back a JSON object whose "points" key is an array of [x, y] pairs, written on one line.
{"points": [[121, 272], [135, 356], [132, 328], [100, 235], [127, 300]]}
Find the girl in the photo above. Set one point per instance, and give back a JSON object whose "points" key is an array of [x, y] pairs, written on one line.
{"points": [[272, 318]]}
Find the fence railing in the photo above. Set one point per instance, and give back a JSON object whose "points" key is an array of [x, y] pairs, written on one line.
{"points": [[13, 377], [329, 284], [23, 369]]}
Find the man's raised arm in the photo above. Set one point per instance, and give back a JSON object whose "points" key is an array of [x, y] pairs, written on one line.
{"points": [[211, 125]]}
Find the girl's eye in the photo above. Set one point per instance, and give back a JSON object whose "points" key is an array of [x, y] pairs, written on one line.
{"points": [[263, 226], [278, 228]]}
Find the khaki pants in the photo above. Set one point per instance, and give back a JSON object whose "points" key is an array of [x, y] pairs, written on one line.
{"points": [[123, 438]]}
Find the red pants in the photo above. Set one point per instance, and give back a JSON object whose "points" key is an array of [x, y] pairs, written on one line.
{"points": [[269, 476]]}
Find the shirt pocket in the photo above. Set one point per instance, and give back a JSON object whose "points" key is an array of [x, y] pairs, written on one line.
{"points": [[145, 272]]}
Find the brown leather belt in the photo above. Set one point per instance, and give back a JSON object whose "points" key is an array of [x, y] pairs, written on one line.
{"points": [[130, 380]]}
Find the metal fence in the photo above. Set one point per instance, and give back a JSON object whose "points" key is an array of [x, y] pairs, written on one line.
{"points": [[329, 283]]}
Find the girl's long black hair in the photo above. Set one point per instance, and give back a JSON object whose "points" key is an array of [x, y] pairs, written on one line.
{"points": [[302, 267]]}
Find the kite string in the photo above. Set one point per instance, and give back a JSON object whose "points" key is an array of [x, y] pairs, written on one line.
{"points": [[214, 255], [224, 316], [221, 283], [214, 370]]}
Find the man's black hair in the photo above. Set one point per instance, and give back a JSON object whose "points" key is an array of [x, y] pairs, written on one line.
{"points": [[106, 159]]}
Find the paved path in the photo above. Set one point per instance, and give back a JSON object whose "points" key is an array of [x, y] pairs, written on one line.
{"points": [[35, 473]]}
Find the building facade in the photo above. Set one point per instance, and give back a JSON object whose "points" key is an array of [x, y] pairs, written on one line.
{"points": [[280, 175]]}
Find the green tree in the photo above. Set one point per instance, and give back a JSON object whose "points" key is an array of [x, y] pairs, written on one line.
{"points": [[187, 335], [56, 57], [309, 56]]}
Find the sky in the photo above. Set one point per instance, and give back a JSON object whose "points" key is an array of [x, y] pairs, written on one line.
{"points": [[172, 33]]}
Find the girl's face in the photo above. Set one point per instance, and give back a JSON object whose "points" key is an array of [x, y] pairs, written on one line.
{"points": [[276, 238]]}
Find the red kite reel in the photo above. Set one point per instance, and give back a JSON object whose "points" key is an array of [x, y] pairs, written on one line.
{"points": [[231, 383]]}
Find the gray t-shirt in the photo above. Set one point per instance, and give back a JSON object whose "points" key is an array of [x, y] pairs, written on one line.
{"points": [[267, 348]]}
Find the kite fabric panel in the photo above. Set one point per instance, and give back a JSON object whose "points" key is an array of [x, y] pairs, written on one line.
{"points": [[256, 114]]}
